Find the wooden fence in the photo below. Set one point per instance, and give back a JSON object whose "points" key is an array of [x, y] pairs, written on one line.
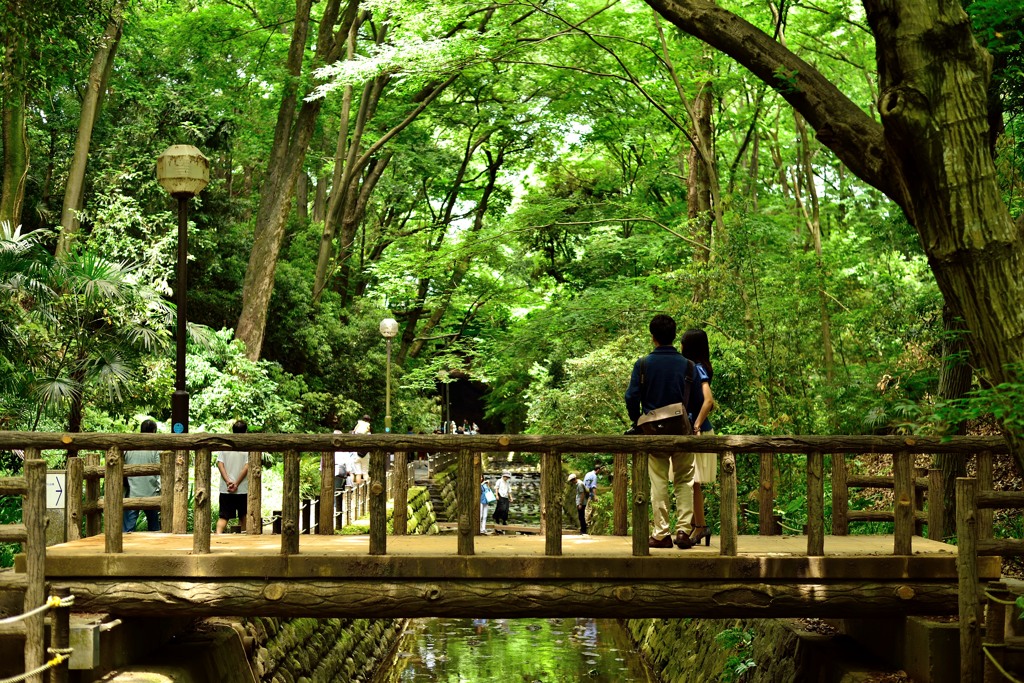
{"points": [[974, 501]]}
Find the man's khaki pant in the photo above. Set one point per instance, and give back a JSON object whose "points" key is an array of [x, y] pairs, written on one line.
{"points": [[682, 483]]}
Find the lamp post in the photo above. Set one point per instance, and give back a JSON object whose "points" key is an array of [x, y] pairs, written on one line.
{"points": [[388, 328], [183, 171]]}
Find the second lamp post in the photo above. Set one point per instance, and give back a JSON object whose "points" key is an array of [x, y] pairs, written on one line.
{"points": [[389, 329]]}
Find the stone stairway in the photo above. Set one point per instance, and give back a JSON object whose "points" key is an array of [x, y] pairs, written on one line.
{"points": [[436, 502]]}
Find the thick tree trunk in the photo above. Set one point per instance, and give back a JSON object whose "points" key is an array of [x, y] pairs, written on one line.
{"points": [[99, 73], [934, 103], [13, 128], [931, 155]]}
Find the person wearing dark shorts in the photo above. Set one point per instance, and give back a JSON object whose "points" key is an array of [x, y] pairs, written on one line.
{"points": [[234, 482]]}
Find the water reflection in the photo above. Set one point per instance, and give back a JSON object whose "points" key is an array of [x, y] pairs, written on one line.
{"points": [[548, 650]]}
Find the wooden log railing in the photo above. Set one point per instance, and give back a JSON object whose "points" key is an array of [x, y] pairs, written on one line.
{"points": [[974, 505], [370, 501], [910, 486], [31, 488], [975, 499]]}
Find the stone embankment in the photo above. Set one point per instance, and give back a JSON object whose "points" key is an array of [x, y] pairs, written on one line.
{"points": [[319, 650]]}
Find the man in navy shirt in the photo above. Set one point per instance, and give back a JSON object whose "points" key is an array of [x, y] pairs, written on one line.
{"points": [[664, 380]]}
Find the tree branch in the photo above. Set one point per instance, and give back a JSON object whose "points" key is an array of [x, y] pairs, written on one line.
{"points": [[840, 124]]}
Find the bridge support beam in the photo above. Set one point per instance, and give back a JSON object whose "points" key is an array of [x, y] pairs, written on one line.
{"points": [[512, 599]]}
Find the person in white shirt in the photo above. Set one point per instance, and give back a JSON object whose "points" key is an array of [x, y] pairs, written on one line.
{"points": [[360, 463], [503, 490], [234, 485]]}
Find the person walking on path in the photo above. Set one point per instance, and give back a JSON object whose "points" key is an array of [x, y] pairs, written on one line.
{"points": [[486, 498], [659, 379], [503, 490], [234, 482], [142, 487], [694, 345], [361, 462], [581, 502], [590, 484]]}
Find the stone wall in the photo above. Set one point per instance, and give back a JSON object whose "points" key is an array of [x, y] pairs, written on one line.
{"points": [[446, 484], [319, 650], [324, 650], [420, 515], [690, 650]]}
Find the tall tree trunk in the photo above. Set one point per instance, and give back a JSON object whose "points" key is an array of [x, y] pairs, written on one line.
{"points": [[930, 155], [292, 136], [355, 211], [954, 382], [812, 218], [99, 74], [698, 196], [13, 131]]}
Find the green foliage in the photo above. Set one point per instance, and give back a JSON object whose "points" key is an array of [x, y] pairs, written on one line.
{"points": [[225, 386], [739, 643]]}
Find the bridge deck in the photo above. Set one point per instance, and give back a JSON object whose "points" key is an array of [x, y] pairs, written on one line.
{"points": [[761, 558]]}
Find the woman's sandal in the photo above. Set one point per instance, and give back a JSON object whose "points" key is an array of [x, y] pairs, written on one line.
{"points": [[700, 532]]}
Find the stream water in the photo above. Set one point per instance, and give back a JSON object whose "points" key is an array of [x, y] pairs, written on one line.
{"points": [[505, 650]]}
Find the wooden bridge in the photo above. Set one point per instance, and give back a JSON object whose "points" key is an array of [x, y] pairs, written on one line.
{"points": [[549, 574]]}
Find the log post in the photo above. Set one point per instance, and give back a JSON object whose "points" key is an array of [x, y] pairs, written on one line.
{"points": [[815, 505], [903, 503], [201, 521], [641, 502], [985, 481], [920, 474], [478, 475], [620, 495], [551, 505], [34, 517], [995, 627], [254, 499], [74, 494], [325, 523], [290, 504], [60, 635], [181, 463], [92, 497], [464, 500], [400, 510], [766, 496], [166, 491], [113, 501], [350, 495], [968, 595], [378, 503], [936, 532], [728, 500], [840, 496]]}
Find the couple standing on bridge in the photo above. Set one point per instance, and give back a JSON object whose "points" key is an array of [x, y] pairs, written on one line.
{"points": [[680, 386]]}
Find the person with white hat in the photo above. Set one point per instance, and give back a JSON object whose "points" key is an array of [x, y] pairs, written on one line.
{"points": [[581, 502], [503, 489]]}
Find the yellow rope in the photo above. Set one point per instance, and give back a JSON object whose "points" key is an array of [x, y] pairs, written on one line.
{"points": [[51, 602], [998, 600], [57, 660], [991, 658]]}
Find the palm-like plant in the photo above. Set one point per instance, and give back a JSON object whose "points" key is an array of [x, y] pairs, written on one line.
{"points": [[85, 325]]}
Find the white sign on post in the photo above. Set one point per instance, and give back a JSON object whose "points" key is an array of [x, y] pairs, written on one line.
{"points": [[55, 498]]}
